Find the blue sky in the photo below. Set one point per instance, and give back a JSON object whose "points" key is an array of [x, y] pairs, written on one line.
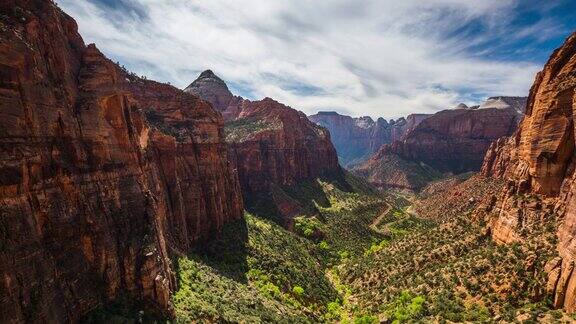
{"points": [[364, 57]]}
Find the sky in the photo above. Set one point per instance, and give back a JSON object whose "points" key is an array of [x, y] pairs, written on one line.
{"points": [[379, 58]]}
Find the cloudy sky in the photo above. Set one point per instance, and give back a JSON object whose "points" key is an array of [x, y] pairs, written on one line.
{"points": [[359, 57]]}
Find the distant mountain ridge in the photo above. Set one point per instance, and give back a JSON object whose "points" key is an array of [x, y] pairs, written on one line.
{"points": [[356, 139], [450, 141]]}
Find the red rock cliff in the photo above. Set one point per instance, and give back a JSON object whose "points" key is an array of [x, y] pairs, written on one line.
{"points": [[284, 148], [271, 144], [456, 140], [103, 176], [538, 163]]}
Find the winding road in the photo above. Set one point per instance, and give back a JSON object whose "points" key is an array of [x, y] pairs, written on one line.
{"points": [[378, 220], [386, 229]]}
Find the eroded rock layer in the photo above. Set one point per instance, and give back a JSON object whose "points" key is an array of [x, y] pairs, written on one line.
{"points": [[538, 164], [103, 175], [270, 143], [450, 141], [386, 170], [456, 140]]}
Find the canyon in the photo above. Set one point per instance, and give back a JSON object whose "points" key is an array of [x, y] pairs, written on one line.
{"points": [[124, 199], [106, 176], [537, 163], [271, 145]]}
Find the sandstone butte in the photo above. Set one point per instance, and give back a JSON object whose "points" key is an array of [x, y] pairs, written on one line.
{"points": [[539, 159], [456, 140], [103, 176], [450, 141], [356, 139], [271, 145]]}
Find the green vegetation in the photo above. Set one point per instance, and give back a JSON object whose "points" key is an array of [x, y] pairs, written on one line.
{"points": [[240, 129], [259, 272], [308, 227], [405, 308], [256, 263], [206, 295], [448, 268]]}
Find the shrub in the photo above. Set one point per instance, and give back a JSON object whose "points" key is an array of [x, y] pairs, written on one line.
{"points": [[343, 254], [298, 291], [333, 311], [406, 308], [375, 247], [366, 319], [308, 227]]}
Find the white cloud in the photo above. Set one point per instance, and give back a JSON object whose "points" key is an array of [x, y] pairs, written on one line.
{"points": [[371, 57]]}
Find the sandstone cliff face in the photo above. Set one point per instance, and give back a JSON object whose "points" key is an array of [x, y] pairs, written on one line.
{"points": [[287, 147], [538, 163], [271, 144], [450, 141], [356, 139], [103, 176], [456, 140]]}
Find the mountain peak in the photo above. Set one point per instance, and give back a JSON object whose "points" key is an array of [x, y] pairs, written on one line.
{"points": [[211, 88], [207, 73]]}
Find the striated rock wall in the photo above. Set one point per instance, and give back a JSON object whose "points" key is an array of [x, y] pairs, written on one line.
{"points": [[450, 141], [271, 144], [355, 139], [538, 164], [103, 176], [287, 149], [456, 140]]}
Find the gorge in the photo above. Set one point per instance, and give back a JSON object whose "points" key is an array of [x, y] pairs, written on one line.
{"points": [[127, 200]]}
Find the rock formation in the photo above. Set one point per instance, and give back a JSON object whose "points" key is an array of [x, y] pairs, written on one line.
{"points": [[456, 140], [356, 139], [271, 144], [103, 176], [450, 141], [211, 88], [389, 171], [538, 164], [502, 102]]}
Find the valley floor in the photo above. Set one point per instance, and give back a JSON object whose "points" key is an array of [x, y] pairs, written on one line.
{"points": [[366, 258]]}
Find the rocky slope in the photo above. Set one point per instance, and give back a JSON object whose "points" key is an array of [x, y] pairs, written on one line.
{"points": [[356, 139], [538, 164], [211, 88], [450, 141], [272, 145], [389, 171], [103, 176], [456, 140]]}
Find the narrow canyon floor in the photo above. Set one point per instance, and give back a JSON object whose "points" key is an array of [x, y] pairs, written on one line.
{"points": [[359, 256]]}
